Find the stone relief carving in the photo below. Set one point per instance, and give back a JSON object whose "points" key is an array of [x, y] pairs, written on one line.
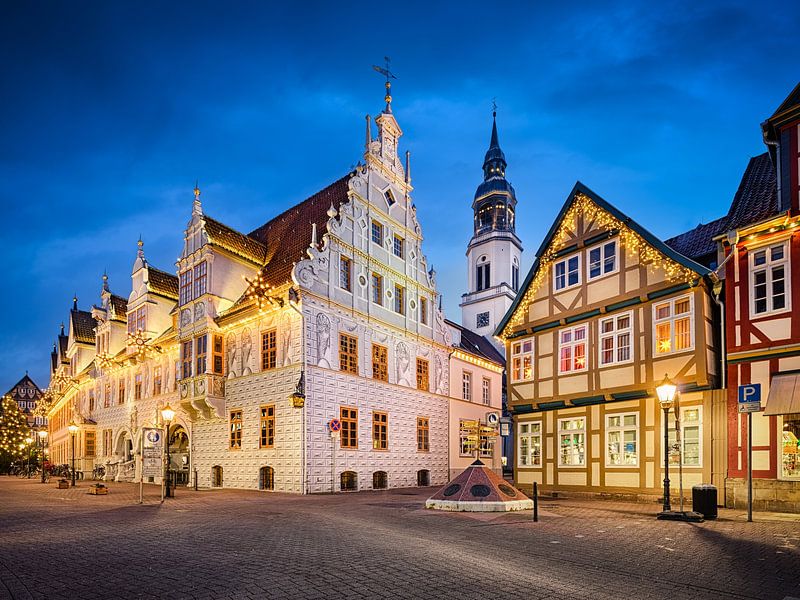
{"points": [[402, 363], [323, 340], [134, 420], [186, 317], [440, 377], [246, 347], [233, 366], [305, 275], [199, 311], [286, 339]]}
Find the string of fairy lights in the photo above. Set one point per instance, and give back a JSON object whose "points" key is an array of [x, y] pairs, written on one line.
{"points": [[631, 240], [262, 293]]}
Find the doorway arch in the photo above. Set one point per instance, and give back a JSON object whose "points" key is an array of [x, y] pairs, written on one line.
{"points": [[348, 481], [423, 477], [380, 480], [216, 476], [266, 478]]}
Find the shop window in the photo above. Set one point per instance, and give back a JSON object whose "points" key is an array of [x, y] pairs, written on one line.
{"points": [[622, 440], [530, 444], [691, 437], [466, 445], [790, 447], [522, 361], [572, 442], [380, 480], [348, 481]]}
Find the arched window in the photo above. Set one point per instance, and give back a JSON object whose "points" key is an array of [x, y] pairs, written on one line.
{"points": [[266, 478], [380, 480], [216, 476], [423, 477], [349, 481]]}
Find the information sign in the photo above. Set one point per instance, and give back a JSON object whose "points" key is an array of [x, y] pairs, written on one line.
{"points": [[750, 398], [152, 450]]}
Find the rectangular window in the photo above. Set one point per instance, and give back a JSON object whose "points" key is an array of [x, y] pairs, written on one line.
{"points": [[515, 278], [790, 447], [269, 350], [89, 443], [769, 274], [91, 400], [380, 363], [349, 420], [157, 381], [486, 391], [522, 361], [131, 322], [602, 259], [672, 321], [572, 349], [236, 430], [615, 339], [107, 442], [466, 386], [348, 353], [377, 233], [218, 357], [267, 438], [398, 247], [107, 395], [572, 442], [141, 318], [422, 374], [530, 444], [380, 425], [201, 348], [622, 440], [186, 280], [377, 289], [484, 276], [399, 299], [200, 279], [177, 375], [423, 434], [121, 391], [137, 386], [567, 272], [345, 273], [423, 310], [187, 359], [691, 436]]}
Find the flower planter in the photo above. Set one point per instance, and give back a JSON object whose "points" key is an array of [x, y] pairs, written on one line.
{"points": [[98, 490], [63, 484]]}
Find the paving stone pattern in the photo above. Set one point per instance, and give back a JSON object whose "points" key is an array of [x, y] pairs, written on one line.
{"points": [[244, 544]]}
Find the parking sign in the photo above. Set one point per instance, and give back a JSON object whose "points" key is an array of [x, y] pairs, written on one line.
{"points": [[750, 398]]}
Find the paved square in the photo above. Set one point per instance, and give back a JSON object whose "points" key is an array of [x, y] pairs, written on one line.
{"points": [[243, 544]]}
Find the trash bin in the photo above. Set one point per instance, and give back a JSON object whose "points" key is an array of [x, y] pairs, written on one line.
{"points": [[704, 500]]}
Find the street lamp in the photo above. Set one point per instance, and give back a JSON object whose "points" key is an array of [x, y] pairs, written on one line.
{"points": [[73, 429], [42, 435], [28, 441], [666, 397], [167, 414]]}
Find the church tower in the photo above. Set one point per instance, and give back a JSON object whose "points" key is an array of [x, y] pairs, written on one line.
{"points": [[494, 252]]}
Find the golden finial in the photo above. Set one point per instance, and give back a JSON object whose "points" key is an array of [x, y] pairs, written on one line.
{"points": [[386, 72], [196, 191]]}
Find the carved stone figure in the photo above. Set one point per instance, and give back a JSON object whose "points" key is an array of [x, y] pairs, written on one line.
{"points": [[246, 347], [402, 363], [323, 340], [186, 317], [233, 367], [199, 311], [286, 339], [439, 376], [134, 419]]}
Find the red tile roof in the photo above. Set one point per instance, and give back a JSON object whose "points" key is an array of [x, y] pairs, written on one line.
{"points": [[234, 241]]}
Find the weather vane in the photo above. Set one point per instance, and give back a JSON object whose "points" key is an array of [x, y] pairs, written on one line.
{"points": [[494, 106], [386, 72]]}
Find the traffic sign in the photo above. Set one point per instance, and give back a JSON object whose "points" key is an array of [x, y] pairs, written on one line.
{"points": [[334, 424], [750, 398]]}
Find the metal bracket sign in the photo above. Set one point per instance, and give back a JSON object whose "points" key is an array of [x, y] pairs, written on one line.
{"points": [[750, 398], [152, 450]]}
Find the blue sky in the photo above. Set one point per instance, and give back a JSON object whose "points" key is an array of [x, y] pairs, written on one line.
{"points": [[111, 111]]}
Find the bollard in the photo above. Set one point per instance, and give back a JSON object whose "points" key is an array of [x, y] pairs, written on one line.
{"points": [[195, 480], [535, 502]]}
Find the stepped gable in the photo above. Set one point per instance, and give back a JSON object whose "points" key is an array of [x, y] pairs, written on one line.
{"points": [[479, 489], [288, 236]]}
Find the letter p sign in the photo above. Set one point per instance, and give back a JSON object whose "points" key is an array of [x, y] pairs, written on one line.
{"points": [[750, 397]]}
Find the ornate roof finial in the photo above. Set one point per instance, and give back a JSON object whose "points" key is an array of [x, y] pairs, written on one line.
{"points": [[140, 244], [105, 280], [62, 327], [369, 135], [408, 166], [313, 235], [75, 302], [197, 208], [385, 71], [332, 212]]}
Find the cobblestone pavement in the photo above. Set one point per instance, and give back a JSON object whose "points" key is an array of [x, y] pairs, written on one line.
{"points": [[244, 544]]}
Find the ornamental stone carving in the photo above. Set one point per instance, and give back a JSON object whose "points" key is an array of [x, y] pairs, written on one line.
{"points": [[246, 348], [286, 339], [199, 311], [402, 364], [323, 323], [233, 366], [186, 317]]}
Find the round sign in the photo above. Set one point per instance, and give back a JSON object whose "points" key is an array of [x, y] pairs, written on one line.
{"points": [[492, 419], [334, 424]]}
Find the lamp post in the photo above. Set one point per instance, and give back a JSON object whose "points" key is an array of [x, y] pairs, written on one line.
{"points": [[28, 441], [666, 397], [42, 433], [73, 429], [167, 414]]}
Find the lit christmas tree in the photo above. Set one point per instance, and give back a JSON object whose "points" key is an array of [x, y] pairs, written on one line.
{"points": [[13, 431]]}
